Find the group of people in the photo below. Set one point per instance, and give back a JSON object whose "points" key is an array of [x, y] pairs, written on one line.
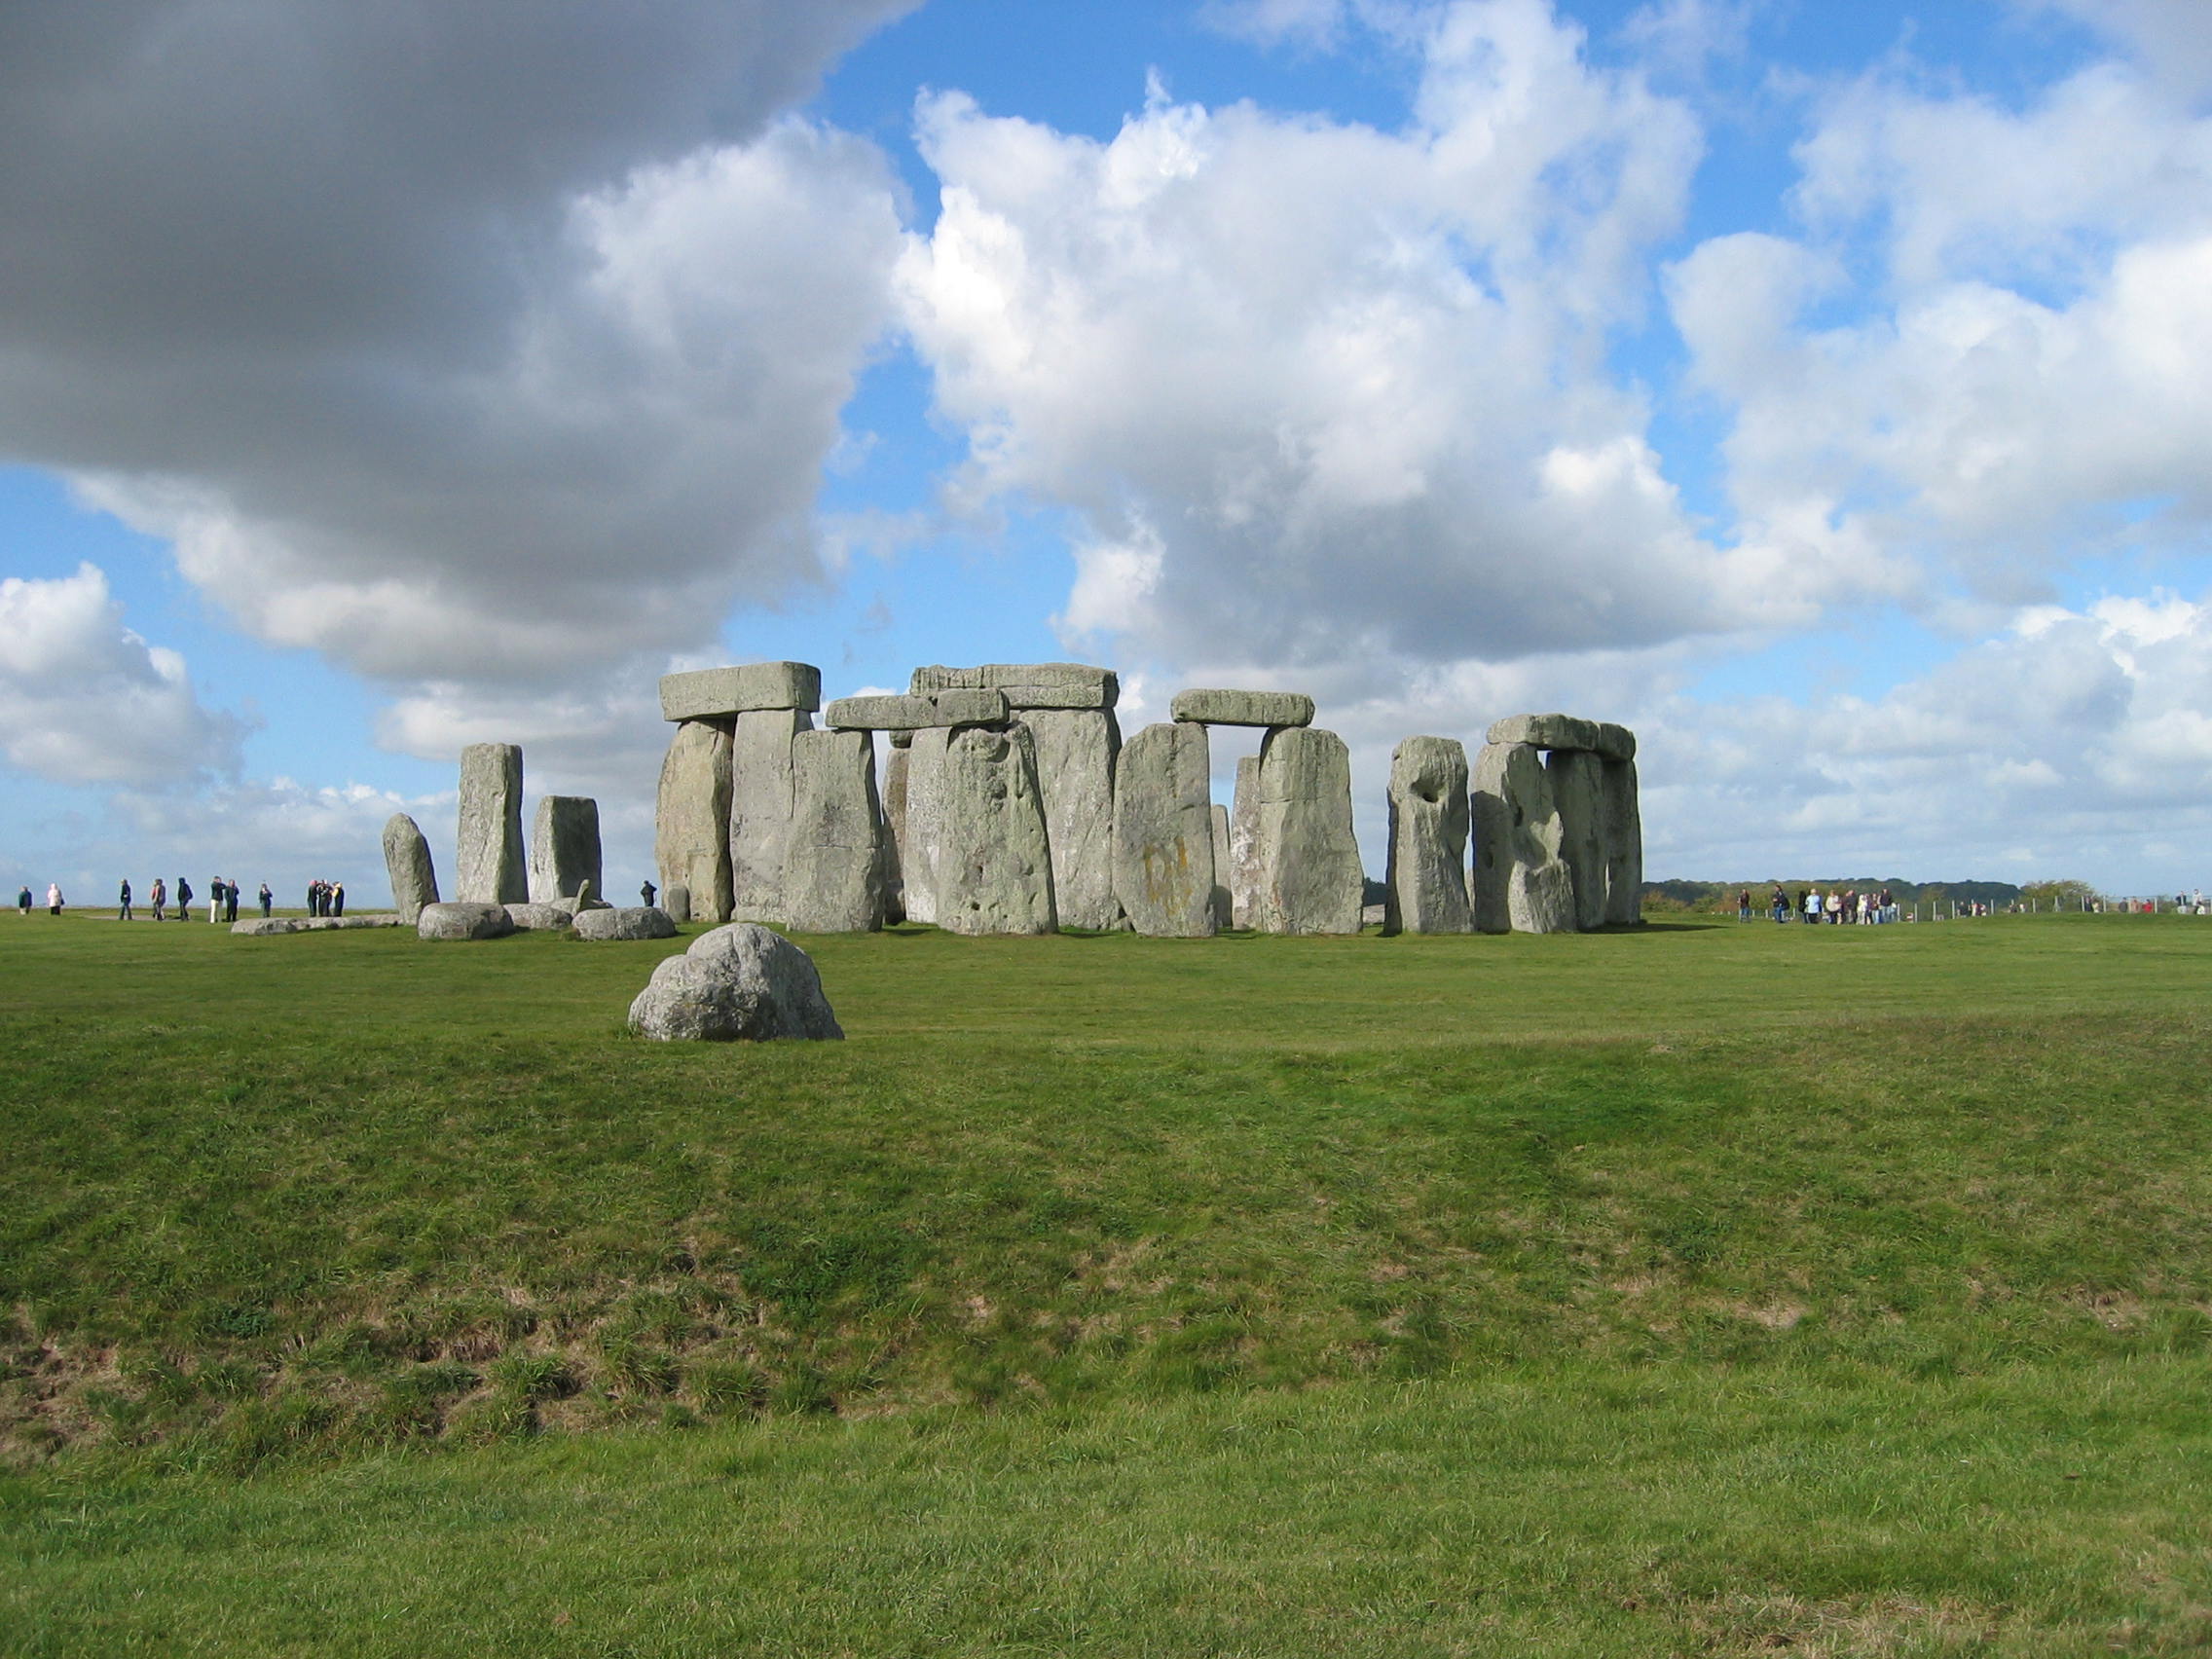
{"points": [[324, 898], [1835, 906], [222, 900], [53, 899]]}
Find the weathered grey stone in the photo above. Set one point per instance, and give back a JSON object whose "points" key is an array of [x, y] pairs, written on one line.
{"points": [[896, 762], [917, 712], [580, 902], [407, 862], [1311, 880], [628, 921], [1624, 846], [1205, 707], [1224, 905], [1616, 742], [994, 862], [691, 821], [540, 917], [488, 856], [901, 739], [1076, 751], [265, 927], [1244, 843], [675, 899], [564, 848], [1545, 731], [761, 804], [1163, 832], [1521, 884], [739, 983], [925, 825], [833, 870], [723, 693], [463, 919], [346, 924], [1375, 917], [1579, 788], [1029, 684], [1427, 872]]}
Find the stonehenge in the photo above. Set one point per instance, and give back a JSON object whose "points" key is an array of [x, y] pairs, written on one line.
{"points": [[407, 862], [564, 848], [1006, 801], [488, 852]]}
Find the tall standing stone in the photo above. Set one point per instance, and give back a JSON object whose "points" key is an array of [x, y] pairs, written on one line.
{"points": [[994, 860], [834, 862], [1427, 876], [760, 805], [407, 860], [1311, 880], [564, 848], [924, 824], [691, 821], [1244, 843], [1077, 750], [1163, 832], [1224, 907], [1624, 846], [1578, 788], [488, 852], [895, 765], [1521, 883]]}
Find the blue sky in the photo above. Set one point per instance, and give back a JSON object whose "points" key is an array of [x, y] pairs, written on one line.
{"points": [[1820, 390]]}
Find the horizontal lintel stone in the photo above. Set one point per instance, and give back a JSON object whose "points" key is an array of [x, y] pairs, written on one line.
{"points": [[721, 694], [894, 713], [1551, 731], [1027, 685], [1204, 707]]}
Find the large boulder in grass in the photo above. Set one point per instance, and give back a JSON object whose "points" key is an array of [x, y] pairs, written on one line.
{"points": [[630, 921], [738, 983], [458, 920], [539, 918]]}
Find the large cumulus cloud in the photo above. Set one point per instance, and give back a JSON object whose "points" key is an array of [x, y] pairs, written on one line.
{"points": [[403, 317]]}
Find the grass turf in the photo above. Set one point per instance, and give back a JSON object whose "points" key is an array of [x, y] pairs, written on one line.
{"points": [[1816, 1204]]}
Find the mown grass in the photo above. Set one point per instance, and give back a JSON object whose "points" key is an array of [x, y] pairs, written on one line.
{"points": [[1632, 1270]]}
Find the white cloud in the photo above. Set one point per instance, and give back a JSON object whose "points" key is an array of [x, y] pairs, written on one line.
{"points": [[83, 699]]}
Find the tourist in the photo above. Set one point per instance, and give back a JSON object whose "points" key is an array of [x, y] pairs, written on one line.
{"points": [[1835, 908], [54, 899], [267, 898], [123, 902], [24, 900], [1744, 906], [230, 901], [159, 896], [183, 900], [648, 893], [215, 901], [336, 899]]}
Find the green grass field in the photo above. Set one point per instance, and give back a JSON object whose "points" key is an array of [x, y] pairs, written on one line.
{"points": [[1704, 1289]]}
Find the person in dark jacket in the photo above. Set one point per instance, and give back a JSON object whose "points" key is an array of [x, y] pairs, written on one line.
{"points": [[123, 902], [183, 900], [267, 898]]}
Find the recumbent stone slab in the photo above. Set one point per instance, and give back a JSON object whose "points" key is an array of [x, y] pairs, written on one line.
{"points": [[464, 920], [1206, 707], [738, 983], [407, 862], [1163, 871], [1310, 880], [564, 848], [489, 866], [628, 921], [994, 862], [723, 693], [1427, 871], [833, 867]]}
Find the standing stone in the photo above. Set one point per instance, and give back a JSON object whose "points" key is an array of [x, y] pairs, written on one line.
{"points": [[1163, 832], [1624, 846], [895, 766], [1076, 751], [1244, 843], [994, 859], [1224, 907], [691, 821], [834, 864], [407, 860], [760, 806], [489, 866], [1311, 880], [564, 848], [1427, 879], [1521, 884], [1579, 788], [924, 824]]}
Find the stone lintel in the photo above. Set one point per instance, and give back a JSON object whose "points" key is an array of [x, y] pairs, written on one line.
{"points": [[1027, 685], [894, 713], [723, 693], [1210, 707]]}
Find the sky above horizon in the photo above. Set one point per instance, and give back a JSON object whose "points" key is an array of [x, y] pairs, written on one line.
{"points": [[1825, 392]]}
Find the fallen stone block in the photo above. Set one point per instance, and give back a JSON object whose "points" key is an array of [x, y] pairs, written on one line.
{"points": [[265, 927], [723, 693], [539, 918], [1242, 707], [463, 919], [628, 921], [738, 983]]}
